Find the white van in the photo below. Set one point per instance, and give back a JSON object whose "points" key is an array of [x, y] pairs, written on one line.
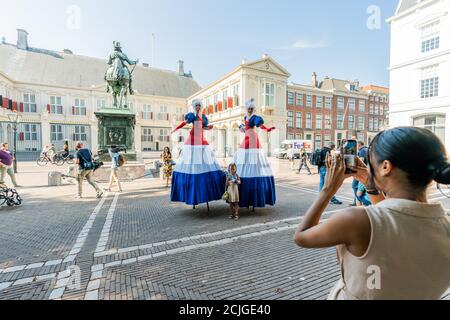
{"points": [[297, 145]]}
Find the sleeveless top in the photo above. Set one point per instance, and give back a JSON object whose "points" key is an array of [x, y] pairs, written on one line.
{"points": [[408, 257]]}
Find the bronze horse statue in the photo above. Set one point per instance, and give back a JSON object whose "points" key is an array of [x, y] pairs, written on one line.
{"points": [[118, 77]]}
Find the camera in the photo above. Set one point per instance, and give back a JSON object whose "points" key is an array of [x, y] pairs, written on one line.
{"points": [[350, 154]]}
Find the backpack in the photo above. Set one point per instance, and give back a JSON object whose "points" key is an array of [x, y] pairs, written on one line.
{"points": [[316, 158], [121, 160]]}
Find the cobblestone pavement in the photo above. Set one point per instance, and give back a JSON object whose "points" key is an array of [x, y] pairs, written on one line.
{"points": [[138, 245]]}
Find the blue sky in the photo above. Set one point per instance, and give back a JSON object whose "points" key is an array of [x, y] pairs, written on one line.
{"points": [[329, 37]]}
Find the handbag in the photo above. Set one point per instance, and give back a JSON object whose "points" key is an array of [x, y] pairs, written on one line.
{"points": [[226, 195]]}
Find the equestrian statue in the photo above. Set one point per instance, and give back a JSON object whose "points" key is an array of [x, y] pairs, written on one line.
{"points": [[118, 77]]}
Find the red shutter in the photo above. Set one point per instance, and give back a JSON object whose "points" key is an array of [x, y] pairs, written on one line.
{"points": [[230, 103], [5, 103], [14, 106], [211, 109], [73, 110], [21, 136], [21, 107], [219, 106], [48, 108]]}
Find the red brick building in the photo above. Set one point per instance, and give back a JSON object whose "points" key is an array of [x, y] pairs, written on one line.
{"points": [[335, 109]]}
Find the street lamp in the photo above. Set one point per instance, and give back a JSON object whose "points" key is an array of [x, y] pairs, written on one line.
{"points": [[15, 118]]}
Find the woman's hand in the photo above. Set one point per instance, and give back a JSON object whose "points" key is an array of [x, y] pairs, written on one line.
{"points": [[361, 172], [335, 173], [210, 127]]}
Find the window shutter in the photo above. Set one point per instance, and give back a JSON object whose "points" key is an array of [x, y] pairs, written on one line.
{"points": [[21, 136], [73, 110], [5, 102], [168, 117], [21, 107], [48, 108], [230, 103], [151, 116], [219, 106], [14, 106], [10, 104]]}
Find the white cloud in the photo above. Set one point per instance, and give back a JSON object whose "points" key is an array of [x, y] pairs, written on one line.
{"points": [[306, 44]]}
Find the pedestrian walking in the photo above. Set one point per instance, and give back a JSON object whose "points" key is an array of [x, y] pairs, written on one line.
{"points": [[290, 156], [233, 182], [304, 162], [114, 153], [166, 159], [6, 165], [321, 163], [84, 160], [398, 248]]}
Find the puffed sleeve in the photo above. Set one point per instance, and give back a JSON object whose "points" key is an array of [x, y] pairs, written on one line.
{"points": [[205, 121], [190, 117], [257, 121]]}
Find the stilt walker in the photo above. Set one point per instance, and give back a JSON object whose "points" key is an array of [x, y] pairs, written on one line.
{"points": [[257, 181], [198, 177]]}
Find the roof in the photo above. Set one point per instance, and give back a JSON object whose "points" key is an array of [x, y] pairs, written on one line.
{"points": [[375, 88], [339, 85], [405, 5], [44, 67]]}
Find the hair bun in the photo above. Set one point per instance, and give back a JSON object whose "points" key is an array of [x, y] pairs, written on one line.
{"points": [[442, 174]]}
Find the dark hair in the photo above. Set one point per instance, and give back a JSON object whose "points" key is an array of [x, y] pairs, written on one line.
{"points": [[416, 151], [168, 151]]}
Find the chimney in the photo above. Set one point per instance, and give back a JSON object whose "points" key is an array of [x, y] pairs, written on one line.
{"points": [[67, 51], [22, 39], [145, 65], [181, 68], [265, 56], [314, 82]]}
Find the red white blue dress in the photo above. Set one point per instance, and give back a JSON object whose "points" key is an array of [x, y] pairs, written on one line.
{"points": [[257, 187], [198, 177]]}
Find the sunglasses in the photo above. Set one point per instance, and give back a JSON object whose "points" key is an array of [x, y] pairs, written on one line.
{"points": [[198, 105]]}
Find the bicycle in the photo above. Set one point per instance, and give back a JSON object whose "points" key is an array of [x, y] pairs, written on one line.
{"points": [[9, 196], [59, 160]]}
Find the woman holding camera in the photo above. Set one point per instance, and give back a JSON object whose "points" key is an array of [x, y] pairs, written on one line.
{"points": [[399, 248]]}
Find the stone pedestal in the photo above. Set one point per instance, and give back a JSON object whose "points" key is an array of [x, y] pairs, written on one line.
{"points": [[129, 172], [116, 127]]}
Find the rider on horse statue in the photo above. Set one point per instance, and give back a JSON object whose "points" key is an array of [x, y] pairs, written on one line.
{"points": [[118, 76]]}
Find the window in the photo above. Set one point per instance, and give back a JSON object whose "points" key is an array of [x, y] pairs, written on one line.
{"points": [[351, 122], [236, 89], [371, 109], [319, 102], [351, 104], [362, 105], [56, 105], [309, 101], [298, 136], [318, 141], [327, 122], [163, 115], [340, 121], [80, 107], [380, 124], [429, 85], [299, 101], [164, 135], [340, 102], [291, 136], [434, 123], [319, 119], [147, 112], [361, 123], [299, 120], [371, 124], [269, 94], [101, 104], [327, 139], [80, 133], [29, 103], [290, 119], [381, 110], [327, 103], [308, 121], [375, 109], [147, 135], [430, 37], [30, 132], [225, 98], [56, 132], [290, 98], [215, 101], [360, 136]]}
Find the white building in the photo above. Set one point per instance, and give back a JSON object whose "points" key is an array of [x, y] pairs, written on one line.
{"points": [[57, 94], [420, 66], [265, 81]]}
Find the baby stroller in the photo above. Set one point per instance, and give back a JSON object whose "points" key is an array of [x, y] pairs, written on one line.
{"points": [[8, 196]]}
